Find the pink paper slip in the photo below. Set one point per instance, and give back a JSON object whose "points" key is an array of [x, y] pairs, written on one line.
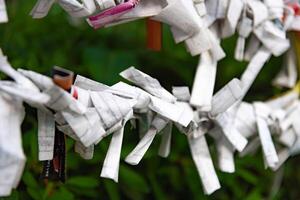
{"points": [[112, 14]]}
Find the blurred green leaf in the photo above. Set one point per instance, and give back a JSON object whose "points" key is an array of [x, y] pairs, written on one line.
{"points": [[30, 180], [247, 176], [133, 180], [254, 195], [34, 193], [62, 193], [157, 188], [14, 196], [83, 182], [112, 190]]}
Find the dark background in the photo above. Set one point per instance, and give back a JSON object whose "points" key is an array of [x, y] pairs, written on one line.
{"points": [[101, 55]]}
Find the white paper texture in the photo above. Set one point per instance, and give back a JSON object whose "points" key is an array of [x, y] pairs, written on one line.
{"points": [[204, 83], [204, 164]]}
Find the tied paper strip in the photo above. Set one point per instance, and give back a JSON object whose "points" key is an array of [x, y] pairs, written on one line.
{"points": [[204, 82], [269, 150], [111, 163], [202, 159], [3, 13], [137, 154], [148, 83], [198, 145]]}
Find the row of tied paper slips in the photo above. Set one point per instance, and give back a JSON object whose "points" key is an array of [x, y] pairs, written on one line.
{"points": [[88, 111]]}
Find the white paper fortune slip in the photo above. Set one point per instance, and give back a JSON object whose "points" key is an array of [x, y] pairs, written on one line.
{"points": [[204, 82], [3, 13], [204, 164], [148, 83], [12, 158], [111, 163], [265, 136]]}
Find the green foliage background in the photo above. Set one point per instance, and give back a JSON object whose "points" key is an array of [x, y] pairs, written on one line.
{"points": [[101, 55]]}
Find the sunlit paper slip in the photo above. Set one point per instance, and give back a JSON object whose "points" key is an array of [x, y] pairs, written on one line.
{"points": [[182, 94], [178, 16], [232, 92], [227, 138], [287, 76], [139, 151], [201, 41], [245, 120], [268, 147], [206, 43], [225, 147], [198, 145], [244, 30], [203, 161], [231, 18], [41, 8], [204, 82], [3, 13], [293, 132], [225, 155], [225, 150], [148, 83], [111, 163]]}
